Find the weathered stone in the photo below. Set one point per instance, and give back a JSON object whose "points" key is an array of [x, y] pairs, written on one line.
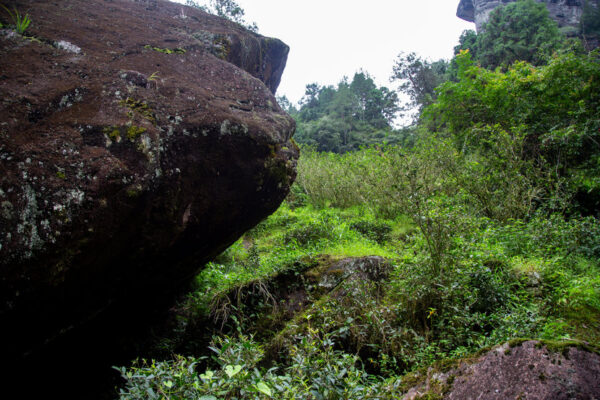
{"points": [[131, 152], [529, 370], [567, 13]]}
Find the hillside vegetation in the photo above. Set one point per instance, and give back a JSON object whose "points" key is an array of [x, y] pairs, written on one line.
{"points": [[399, 250]]}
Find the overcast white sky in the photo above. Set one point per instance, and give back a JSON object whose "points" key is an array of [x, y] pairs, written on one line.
{"points": [[332, 38]]}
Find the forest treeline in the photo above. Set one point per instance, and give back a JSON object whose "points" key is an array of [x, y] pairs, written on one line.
{"points": [[357, 112], [521, 85], [485, 211]]}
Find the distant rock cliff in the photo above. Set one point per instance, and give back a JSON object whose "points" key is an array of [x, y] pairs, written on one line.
{"points": [[566, 12], [138, 139]]}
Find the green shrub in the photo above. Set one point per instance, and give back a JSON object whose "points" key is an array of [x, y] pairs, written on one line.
{"points": [[317, 370], [374, 230], [306, 235]]}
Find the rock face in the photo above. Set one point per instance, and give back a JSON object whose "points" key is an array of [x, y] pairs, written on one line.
{"points": [[566, 12], [138, 139], [529, 370]]}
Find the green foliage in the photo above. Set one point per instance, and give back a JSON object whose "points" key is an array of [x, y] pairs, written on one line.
{"points": [[21, 22], [466, 41], [345, 117], [542, 100], [228, 9], [521, 30], [234, 375], [308, 234], [479, 220], [459, 283], [418, 79], [554, 109], [501, 183], [331, 179], [317, 371]]}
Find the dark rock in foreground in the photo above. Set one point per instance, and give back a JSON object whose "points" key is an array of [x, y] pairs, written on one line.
{"points": [[138, 139]]}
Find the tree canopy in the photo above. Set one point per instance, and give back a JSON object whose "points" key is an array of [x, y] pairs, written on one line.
{"points": [[228, 9], [522, 31], [418, 79], [347, 116]]}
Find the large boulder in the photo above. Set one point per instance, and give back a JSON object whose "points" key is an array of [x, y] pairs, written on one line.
{"points": [[567, 13], [138, 139]]}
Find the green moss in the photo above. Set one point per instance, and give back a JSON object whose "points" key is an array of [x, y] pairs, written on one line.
{"points": [[563, 347], [279, 171], [134, 191], [221, 47], [60, 174], [557, 346], [176, 50], [446, 365], [413, 379], [113, 133], [583, 324], [430, 396], [295, 145], [134, 131], [140, 107]]}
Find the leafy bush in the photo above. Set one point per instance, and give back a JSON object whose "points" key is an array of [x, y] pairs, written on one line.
{"points": [[554, 106], [317, 371], [234, 375]]}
